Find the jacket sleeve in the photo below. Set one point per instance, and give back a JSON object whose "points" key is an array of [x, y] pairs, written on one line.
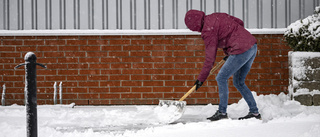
{"points": [[239, 21], [210, 57]]}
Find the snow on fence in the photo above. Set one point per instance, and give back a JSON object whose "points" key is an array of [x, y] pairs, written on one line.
{"points": [[3, 97], [55, 87]]}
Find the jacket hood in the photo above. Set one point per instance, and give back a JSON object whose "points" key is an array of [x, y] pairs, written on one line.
{"points": [[194, 20]]}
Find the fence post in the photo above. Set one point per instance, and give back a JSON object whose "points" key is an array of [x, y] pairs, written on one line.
{"points": [[31, 92]]}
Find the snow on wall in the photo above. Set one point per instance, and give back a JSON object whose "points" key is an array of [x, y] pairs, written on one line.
{"points": [[300, 70]]}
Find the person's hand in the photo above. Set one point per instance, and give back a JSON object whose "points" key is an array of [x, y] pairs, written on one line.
{"points": [[198, 84]]}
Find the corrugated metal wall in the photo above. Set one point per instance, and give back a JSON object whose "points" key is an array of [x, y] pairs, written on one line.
{"points": [[144, 14]]}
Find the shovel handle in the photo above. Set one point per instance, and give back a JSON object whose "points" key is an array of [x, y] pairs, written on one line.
{"points": [[188, 93], [211, 71]]}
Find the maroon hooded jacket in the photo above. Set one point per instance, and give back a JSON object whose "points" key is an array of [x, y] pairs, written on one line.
{"points": [[219, 30]]}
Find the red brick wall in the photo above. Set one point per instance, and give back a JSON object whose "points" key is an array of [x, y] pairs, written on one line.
{"points": [[131, 69]]}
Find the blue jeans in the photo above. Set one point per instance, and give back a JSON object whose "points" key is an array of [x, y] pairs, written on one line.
{"points": [[238, 66]]}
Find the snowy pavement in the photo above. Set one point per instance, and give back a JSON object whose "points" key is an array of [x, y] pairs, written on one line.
{"points": [[281, 117]]}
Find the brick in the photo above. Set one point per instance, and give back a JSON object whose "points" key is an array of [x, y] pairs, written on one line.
{"points": [[110, 83], [122, 65], [163, 65], [162, 89], [175, 83], [142, 65], [183, 53], [90, 72], [11, 42], [6, 55], [88, 84], [120, 77], [140, 42], [77, 78], [88, 96], [174, 59], [77, 90], [77, 66], [131, 59], [89, 37], [183, 77], [119, 42], [75, 54], [131, 83], [125, 53], [131, 48], [6, 48], [98, 42], [175, 47], [132, 71], [55, 42], [153, 83], [97, 54], [46, 72], [90, 48], [100, 78], [154, 47], [161, 53], [121, 89], [141, 89], [77, 42], [33, 42], [145, 53], [109, 96], [162, 77], [98, 90], [141, 77], [152, 95], [152, 59], [47, 48], [55, 78], [130, 95], [153, 71], [111, 48], [184, 41], [67, 72], [269, 41], [47, 60], [162, 41], [108, 71], [110, 37], [68, 60], [53, 54], [174, 71], [13, 78], [68, 48], [99, 66], [87, 60], [6, 60]]}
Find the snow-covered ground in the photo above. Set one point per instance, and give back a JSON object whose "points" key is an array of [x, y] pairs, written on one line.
{"points": [[281, 117]]}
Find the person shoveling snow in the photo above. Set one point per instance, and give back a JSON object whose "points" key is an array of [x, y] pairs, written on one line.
{"points": [[220, 30]]}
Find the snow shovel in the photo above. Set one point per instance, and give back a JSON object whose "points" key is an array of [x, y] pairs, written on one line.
{"points": [[181, 104]]}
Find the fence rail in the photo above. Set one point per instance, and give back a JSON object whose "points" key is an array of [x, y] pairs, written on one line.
{"points": [[144, 14]]}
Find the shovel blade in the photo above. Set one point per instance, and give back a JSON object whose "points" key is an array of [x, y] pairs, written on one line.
{"points": [[168, 103]]}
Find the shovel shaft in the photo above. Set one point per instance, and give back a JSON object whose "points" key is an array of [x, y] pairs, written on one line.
{"points": [[194, 87], [188, 93]]}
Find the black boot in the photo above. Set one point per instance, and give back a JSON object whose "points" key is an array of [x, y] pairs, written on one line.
{"points": [[217, 116], [251, 115]]}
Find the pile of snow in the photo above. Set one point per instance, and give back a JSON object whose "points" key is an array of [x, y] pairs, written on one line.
{"points": [[281, 117]]}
